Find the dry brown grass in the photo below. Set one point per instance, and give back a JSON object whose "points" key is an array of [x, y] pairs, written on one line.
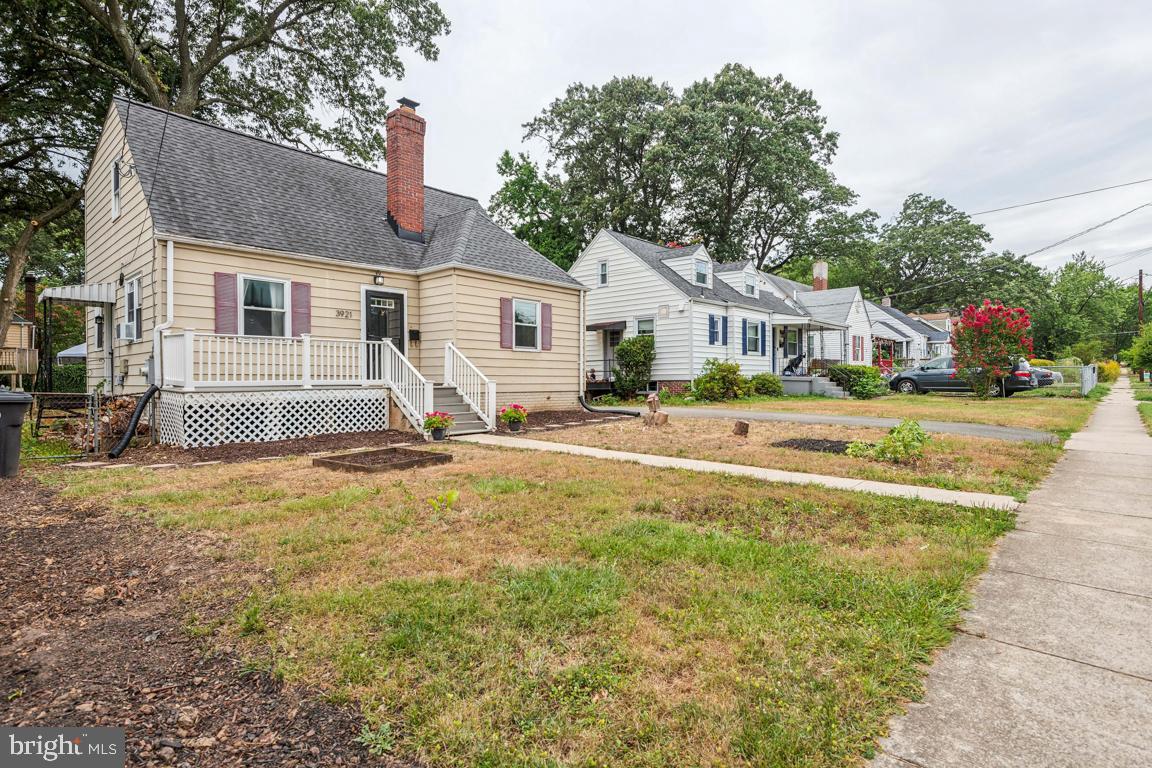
{"points": [[950, 461], [1051, 414], [565, 610]]}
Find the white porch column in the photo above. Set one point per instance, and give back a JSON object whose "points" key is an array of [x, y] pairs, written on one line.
{"points": [[306, 360]]}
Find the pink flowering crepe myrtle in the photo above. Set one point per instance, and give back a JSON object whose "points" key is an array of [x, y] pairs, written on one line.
{"points": [[988, 342]]}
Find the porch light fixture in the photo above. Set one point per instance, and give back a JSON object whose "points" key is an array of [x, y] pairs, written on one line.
{"points": [[378, 279]]}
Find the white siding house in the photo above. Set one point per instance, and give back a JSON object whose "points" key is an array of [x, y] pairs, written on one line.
{"points": [[696, 308]]}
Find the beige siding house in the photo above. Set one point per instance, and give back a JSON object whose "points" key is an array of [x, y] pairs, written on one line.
{"points": [[271, 293]]}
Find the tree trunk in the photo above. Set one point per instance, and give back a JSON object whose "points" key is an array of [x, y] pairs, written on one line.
{"points": [[18, 258]]}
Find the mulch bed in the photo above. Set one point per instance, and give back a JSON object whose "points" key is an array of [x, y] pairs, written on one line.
{"points": [[813, 444], [383, 460], [236, 452], [569, 417], [94, 617]]}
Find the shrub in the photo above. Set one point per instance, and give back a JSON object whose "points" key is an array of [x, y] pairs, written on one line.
{"points": [[861, 381], [904, 443], [1041, 362], [70, 377], [720, 381], [633, 370], [1141, 355], [766, 384], [1109, 370]]}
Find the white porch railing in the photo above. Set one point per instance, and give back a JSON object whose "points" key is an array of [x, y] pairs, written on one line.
{"points": [[193, 361], [478, 391]]}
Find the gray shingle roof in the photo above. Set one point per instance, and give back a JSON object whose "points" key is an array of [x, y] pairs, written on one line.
{"points": [[896, 333], [731, 266], [833, 304], [933, 333], [216, 184], [654, 256]]}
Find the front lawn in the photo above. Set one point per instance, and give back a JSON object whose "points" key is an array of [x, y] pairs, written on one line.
{"points": [[533, 609], [1142, 391], [954, 462], [1062, 415]]}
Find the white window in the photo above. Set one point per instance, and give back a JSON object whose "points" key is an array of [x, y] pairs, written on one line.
{"points": [[526, 324], [263, 311], [116, 188], [792, 343], [753, 337], [603, 273], [646, 326], [133, 312], [749, 286], [701, 272]]}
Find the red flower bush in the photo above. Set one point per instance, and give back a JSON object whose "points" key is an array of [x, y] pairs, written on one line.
{"points": [[988, 341]]}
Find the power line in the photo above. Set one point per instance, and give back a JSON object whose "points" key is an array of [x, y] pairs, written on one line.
{"points": [[1060, 197], [1083, 232]]}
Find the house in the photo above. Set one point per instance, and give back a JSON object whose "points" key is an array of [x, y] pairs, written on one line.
{"points": [[696, 309], [272, 293], [938, 327], [835, 307], [18, 353], [903, 340]]}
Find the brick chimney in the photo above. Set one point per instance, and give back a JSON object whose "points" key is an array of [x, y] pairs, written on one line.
{"points": [[819, 275], [405, 151], [30, 297], [886, 301]]}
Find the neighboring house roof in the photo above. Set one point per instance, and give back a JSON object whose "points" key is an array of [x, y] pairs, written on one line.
{"points": [[78, 352], [834, 304], [787, 286], [654, 256], [220, 185], [889, 332], [932, 332], [18, 320]]}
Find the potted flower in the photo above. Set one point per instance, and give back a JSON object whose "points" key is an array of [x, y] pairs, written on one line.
{"points": [[514, 416], [437, 422]]}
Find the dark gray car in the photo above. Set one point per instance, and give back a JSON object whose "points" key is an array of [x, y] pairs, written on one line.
{"points": [[939, 375]]}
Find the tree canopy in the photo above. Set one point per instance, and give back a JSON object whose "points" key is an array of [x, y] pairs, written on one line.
{"points": [[739, 162], [302, 72]]}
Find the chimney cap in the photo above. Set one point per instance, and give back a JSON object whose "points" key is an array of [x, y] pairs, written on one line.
{"points": [[407, 102]]}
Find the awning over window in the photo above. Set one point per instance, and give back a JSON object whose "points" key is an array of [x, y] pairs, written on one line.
{"points": [[90, 295], [614, 325]]}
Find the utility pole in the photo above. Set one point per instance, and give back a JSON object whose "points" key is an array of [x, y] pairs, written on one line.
{"points": [[1140, 316]]}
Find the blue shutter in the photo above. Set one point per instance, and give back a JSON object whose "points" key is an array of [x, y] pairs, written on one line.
{"points": [[711, 329], [763, 338], [744, 330], [724, 331]]}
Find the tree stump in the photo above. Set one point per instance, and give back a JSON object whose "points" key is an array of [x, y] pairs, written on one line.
{"points": [[740, 429]]}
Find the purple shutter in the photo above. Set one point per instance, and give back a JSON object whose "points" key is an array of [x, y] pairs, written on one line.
{"points": [[545, 327], [505, 323], [301, 308], [226, 311]]}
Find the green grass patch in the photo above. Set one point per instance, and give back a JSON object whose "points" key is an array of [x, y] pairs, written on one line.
{"points": [[568, 611]]}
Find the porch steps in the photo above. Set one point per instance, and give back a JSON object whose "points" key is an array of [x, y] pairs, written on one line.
{"points": [[828, 388], [446, 398]]}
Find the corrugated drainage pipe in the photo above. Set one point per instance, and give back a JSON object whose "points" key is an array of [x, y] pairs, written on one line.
{"points": [[133, 423], [621, 411]]}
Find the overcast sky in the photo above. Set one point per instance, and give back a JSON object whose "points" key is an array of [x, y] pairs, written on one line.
{"points": [[982, 103]]}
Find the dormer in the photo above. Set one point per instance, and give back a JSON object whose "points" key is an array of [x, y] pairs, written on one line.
{"points": [[742, 277], [694, 265]]}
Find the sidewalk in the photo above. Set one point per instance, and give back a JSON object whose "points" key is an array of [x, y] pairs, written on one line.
{"points": [[965, 498], [1053, 666], [992, 431]]}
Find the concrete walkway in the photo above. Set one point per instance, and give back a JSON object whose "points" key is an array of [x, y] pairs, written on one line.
{"points": [[1053, 666], [992, 431], [773, 475]]}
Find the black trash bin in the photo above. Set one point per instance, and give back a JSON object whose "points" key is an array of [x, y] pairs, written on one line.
{"points": [[13, 406]]}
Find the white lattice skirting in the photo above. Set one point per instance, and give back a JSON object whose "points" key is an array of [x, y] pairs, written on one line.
{"points": [[196, 419]]}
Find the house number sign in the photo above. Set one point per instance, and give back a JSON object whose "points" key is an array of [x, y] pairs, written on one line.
{"points": [[344, 313]]}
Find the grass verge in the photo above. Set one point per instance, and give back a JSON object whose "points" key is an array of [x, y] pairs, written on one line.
{"points": [[520, 609], [953, 462]]}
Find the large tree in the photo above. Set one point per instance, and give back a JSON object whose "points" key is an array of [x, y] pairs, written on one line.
{"points": [[305, 72], [755, 157], [930, 255], [1084, 304], [531, 204]]}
